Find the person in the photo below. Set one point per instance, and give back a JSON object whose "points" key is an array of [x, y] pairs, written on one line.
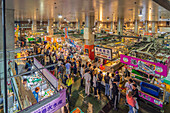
{"points": [[95, 84], [61, 70], [115, 92], [62, 57], [107, 86], [74, 67], [87, 78], [25, 84], [128, 86], [135, 95], [110, 83], [69, 82], [68, 65], [131, 101], [167, 95], [68, 57], [99, 80], [36, 93], [16, 68], [81, 74], [117, 78]]}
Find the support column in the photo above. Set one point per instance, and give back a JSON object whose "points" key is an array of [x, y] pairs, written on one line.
{"points": [[153, 27], [120, 26], [112, 26], [34, 26], [50, 30], [146, 26], [136, 28], [79, 26], [9, 42], [88, 36]]}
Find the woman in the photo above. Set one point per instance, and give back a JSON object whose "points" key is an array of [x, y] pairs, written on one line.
{"points": [[131, 101], [95, 84]]}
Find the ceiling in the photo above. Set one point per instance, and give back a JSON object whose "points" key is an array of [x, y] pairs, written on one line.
{"points": [[73, 10]]}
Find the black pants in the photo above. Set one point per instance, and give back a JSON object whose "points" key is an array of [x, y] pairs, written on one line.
{"points": [[99, 87], [95, 90], [115, 100]]}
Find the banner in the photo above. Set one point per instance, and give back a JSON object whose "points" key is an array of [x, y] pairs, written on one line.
{"points": [[152, 68], [66, 32], [101, 52], [54, 105], [46, 73]]}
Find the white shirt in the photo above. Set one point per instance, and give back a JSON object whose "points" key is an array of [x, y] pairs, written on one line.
{"points": [[87, 78]]}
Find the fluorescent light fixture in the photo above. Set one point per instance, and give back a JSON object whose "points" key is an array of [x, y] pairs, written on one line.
{"points": [[60, 16]]}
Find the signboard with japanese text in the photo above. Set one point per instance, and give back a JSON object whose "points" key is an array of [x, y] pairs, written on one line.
{"points": [[104, 53], [54, 105], [145, 66]]}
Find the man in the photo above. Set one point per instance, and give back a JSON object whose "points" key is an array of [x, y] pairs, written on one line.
{"points": [[107, 86], [115, 95], [99, 79], [117, 78], [87, 78]]}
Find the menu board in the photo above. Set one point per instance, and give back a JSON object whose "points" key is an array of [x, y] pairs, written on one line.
{"points": [[144, 65], [104, 53]]}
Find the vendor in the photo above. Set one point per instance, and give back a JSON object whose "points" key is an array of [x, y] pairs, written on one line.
{"points": [[25, 84], [36, 93]]}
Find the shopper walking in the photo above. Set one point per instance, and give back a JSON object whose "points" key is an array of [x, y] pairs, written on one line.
{"points": [[68, 66], [69, 83], [99, 80], [87, 78], [111, 86], [107, 86], [95, 84], [115, 95], [117, 78], [131, 102], [82, 73], [74, 67]]}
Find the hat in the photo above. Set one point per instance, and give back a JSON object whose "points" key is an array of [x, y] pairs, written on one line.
{"points": [[116, 72]]}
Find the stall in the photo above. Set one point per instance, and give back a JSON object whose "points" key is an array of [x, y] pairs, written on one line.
{"points": [[149, 76]]}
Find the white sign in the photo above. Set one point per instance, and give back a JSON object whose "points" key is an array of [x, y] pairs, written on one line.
{"points": [[104, 53], [86, 33]]}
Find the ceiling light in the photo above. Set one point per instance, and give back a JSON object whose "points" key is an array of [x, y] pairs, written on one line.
{"points": [[60, 16], [65, 19]]}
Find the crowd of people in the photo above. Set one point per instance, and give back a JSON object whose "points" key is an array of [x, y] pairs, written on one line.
{"points": [[69, 64]]}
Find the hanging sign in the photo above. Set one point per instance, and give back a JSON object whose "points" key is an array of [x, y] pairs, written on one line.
{"points": [[104, 53], [144, 65]]}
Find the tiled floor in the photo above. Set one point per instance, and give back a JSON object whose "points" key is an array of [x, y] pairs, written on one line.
{"points": [[100, 105]]}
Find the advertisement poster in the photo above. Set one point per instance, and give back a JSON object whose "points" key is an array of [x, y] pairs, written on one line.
{"points": [[104, 53], [145, 66]]}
